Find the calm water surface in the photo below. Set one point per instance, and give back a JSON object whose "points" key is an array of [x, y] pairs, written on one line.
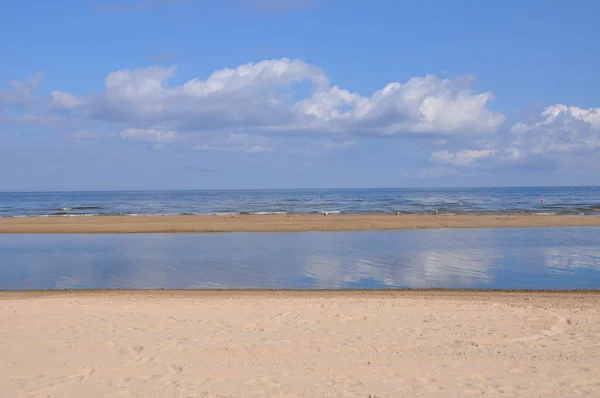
{"points": [[530, 258]]}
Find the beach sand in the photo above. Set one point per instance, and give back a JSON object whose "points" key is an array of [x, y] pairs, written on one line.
{"points": [[279, 223], [299, 344]]}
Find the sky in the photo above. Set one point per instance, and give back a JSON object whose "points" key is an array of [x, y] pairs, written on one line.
{"points": [[228, 94]]}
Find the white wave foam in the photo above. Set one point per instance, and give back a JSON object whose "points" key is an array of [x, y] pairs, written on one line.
{"points": [[54, 215], [69, 215], [331, 212], [267, 213]]}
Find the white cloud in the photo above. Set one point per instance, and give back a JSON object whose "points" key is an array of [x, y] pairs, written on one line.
{"points": [[63, 100], [267, 97], [559, 131], [22, 91], [466, 157], [514, 153], [422, 105], [560, 128], [285, 96], [235, 148], [253, 77], [150, 135]]}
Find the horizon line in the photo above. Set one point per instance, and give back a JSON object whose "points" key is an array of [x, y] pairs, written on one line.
{"points": [[294, 189]]}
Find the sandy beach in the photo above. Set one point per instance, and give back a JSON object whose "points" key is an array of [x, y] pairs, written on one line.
{"points": [[280, 223], [299, 344]]}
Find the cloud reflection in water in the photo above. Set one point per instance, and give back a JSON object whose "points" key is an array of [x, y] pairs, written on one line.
{"points": [[476, 258]]}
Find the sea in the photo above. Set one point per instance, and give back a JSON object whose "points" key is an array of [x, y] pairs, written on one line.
{"points": [[443, 201]]}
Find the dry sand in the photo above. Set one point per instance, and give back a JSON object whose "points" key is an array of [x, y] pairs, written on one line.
{"points": [[281, 223], [299, 344]]}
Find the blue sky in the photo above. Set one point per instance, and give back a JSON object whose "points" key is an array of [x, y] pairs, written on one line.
{"points": [[207, 94]]}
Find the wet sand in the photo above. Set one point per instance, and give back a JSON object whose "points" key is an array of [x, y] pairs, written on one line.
{"points": [[299, 343], [279, 223]]}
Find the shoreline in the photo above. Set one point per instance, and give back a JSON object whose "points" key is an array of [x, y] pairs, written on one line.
{"points": [[433, 343], [391, 292], [281, 223], [302, 294]]}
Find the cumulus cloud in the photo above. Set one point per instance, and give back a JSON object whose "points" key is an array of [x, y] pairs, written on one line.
{"points": [[557, 131], [422, 105], [292, 97], [267, 97], [561, 128]]}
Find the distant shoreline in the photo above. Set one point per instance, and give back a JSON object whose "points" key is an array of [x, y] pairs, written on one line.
{"points": [[280, 223]]}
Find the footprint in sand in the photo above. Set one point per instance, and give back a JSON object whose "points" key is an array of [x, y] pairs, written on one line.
{"points": [[136, 349], [82, 375]]}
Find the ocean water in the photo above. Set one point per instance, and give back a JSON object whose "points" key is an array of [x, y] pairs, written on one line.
{"points": [[547, 201], [529, 258]]}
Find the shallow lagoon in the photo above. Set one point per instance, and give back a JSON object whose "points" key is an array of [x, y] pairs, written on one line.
{"points": [[528, 258]]}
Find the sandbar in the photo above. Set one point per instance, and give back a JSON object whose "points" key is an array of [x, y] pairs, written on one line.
{"points": [[279, 223], [299, 343]]}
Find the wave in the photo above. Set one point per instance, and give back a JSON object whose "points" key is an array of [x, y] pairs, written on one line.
{"points": [[64, 214], [442, 210], [262, 213], [327, 212], [67, 214], [79, 208]]}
